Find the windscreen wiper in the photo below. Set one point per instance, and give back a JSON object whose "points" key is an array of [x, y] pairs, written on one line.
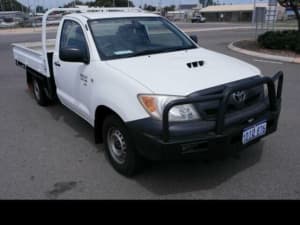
{"points": [[147, 52], [156, 51]]}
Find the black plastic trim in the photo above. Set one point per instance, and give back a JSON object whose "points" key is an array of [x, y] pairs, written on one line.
{"points": [[273, 95], [193, 144]]}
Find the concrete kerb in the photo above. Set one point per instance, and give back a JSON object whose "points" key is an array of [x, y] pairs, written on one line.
{"points": [[264, 55]]}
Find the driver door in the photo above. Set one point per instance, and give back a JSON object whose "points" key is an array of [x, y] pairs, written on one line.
{"points": [[68, 75]]}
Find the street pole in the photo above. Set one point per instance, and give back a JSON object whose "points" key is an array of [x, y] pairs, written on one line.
{"points": [[254, 12], [11, 6], [28, 7], [255, 19]]}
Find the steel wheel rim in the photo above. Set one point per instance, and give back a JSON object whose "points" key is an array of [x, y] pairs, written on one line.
{"points": [[117, 145], [36, 89]]}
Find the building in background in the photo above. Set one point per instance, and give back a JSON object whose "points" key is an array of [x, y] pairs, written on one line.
{"points": [[11, 14], [184, 12], [11, 18], [176, 15], [187, 7], [237, 12]]}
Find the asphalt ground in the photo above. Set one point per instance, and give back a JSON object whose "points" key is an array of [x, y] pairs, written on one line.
{"points": [[49, 153]]}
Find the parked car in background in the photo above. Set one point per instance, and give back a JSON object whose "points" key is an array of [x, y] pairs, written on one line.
{"points": [[8, 23], [198, 19]]}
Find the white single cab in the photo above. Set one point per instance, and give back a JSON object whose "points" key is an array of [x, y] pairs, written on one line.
{"points": [[148, 89]]}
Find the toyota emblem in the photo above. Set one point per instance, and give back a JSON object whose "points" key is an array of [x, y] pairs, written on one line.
{"points": [[239, 97]]}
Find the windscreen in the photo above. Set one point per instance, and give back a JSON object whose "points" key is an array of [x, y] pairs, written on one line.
{"points": [[130, 37]]}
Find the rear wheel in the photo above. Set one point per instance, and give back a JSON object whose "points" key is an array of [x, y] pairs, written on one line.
{"points": [[39, 93], [119, 147]]}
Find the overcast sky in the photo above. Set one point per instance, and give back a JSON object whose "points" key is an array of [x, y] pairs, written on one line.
{"points": [[55, 3]]}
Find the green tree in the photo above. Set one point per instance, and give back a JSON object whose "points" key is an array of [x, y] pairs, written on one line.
{"points": [[40, 9], [71, 4], [170, 8], [149, 8], [294, 5], [11, 5]]}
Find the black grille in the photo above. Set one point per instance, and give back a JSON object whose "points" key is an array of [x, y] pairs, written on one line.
{"points": [[210, 110]]}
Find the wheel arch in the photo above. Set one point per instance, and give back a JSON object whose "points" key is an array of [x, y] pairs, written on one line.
{"points": [[101, 113]]}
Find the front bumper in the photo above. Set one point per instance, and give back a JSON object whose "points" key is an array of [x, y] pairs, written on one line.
{"points": [[158, 140]]}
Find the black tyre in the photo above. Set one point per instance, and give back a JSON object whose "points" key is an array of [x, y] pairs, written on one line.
{"points": [[120, 148], [39, 93]]}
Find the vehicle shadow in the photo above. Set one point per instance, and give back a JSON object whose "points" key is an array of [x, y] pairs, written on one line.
{"points": [[174, 177], [166, 178], [82, 128]]}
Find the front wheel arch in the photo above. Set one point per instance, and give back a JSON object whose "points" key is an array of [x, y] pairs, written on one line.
{"points": [[100, 114]]}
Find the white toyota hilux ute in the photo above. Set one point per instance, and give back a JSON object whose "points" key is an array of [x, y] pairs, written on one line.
{"points": [[149, 90]]}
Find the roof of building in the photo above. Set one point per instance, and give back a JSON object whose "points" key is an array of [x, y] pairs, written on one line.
{"points": [[176, 12], [233, 8], [187, 6]]}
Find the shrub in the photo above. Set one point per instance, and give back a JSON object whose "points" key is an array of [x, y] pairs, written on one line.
{"points": [[280, 40]]}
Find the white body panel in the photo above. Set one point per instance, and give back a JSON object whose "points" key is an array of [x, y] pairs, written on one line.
{"points": [[32, 56], [118, 92], [169, 74]]}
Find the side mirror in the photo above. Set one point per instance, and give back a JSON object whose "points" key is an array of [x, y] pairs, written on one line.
{"points": [[194, 38], [74, 55]]}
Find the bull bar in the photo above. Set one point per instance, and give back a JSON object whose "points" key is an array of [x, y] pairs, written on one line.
{"points": [[274, 95]]}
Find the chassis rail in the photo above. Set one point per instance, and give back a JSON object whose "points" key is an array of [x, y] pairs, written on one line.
{"points": [[274, 95]]}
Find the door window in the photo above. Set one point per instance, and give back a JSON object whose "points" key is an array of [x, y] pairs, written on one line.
{"points": [[72, 36]]}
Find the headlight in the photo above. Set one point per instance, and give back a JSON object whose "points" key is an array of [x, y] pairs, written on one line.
{"points": [[155, 105]]}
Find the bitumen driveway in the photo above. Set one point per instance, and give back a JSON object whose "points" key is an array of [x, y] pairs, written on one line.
{"points": [[50, 152]]}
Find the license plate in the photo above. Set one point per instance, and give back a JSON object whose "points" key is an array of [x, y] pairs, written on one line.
{"points": [[254, 132]]}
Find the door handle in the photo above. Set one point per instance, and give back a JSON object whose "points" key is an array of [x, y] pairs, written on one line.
{"points": [[57, 64]]}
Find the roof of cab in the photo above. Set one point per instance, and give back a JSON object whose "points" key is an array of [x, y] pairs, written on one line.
{"points": [[107, 15]]}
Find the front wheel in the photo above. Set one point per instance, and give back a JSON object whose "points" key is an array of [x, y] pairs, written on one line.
{"points": [[119, 147]]}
